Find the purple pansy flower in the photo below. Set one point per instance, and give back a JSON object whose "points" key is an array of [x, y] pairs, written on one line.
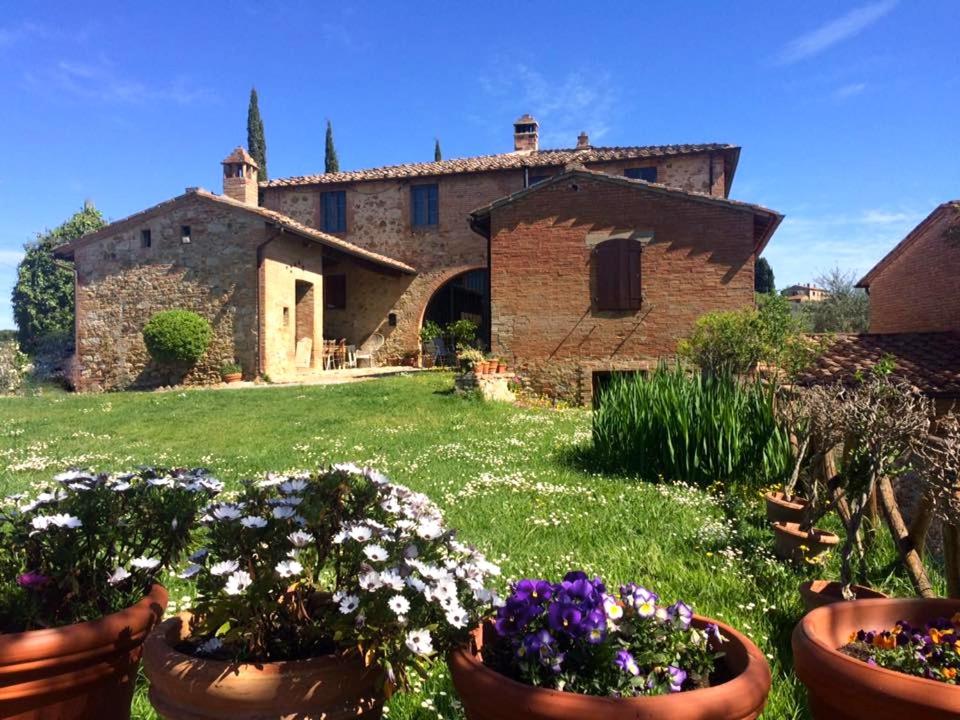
{"points": [[681, 614], [624, 660], [32, 580], [677, 677]]}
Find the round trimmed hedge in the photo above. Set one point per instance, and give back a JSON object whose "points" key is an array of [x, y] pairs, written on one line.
{"points": [[177, 336]]}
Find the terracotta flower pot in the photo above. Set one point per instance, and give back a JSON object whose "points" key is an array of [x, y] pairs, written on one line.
{"points": [[488, 695], [779, 509], [817, 593], [184, 687], [77, 672], [233, 377], [840, 687], [501, 368], [792, 543]]}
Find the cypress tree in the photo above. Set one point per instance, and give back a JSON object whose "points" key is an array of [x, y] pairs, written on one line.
{"points": [[437, 155], [763, 281], [256, 142], [330, 162]]}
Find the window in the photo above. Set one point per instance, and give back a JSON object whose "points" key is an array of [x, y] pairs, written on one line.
{"points": [[617, 274], [334, 209], [335, 292], [424, 206], [642, 173], [145, 239], [185, 236]]}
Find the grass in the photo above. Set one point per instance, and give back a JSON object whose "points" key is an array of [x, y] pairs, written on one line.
{"points": [[504, 475]]}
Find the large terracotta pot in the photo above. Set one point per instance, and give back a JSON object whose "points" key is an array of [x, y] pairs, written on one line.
{"points": [[840, 687], [792, 543], [77, 672], [184, 687], [817, 593], [488, 695], [232, 377], [779, 509]]}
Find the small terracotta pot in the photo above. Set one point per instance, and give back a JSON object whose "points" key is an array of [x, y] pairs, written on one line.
{"points": [[779, 509], [840, 687], [484, 367], [233, 377], [501, 368], [488, 695], [817, 593], [184, 687], [77, 672], [792, 543]]}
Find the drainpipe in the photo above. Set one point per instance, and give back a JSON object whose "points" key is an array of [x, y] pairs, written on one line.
{"points": [[261, 350], [710, 186]]}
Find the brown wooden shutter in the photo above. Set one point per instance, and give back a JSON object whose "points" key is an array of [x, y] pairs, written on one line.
{"points": [[617, 267], [606, 258], [631, 267]]}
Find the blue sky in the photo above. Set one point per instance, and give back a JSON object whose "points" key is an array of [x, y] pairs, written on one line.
{"points": [[847, 112]]}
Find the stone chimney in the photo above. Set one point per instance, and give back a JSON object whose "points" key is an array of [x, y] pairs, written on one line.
{"points": [[526, 134], [240, 177], [583, 141]]}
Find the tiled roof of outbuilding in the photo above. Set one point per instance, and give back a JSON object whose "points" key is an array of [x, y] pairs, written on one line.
{"points": [[928, 361], [508, 161]]}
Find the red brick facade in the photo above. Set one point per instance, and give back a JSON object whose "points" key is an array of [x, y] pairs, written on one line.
{"points": [[916, 288], [697, 257]]}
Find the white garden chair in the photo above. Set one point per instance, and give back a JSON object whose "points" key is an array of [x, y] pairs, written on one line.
{"points": [[366, 354]]}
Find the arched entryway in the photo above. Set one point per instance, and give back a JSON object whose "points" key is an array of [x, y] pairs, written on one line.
{"points": [[463, 297]]}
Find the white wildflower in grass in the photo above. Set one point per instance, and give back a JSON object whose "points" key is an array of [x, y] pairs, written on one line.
{"points": [[208, 647], [360, 533], [237, 582], [419, 642], [226, 512], [288, 568], [252, 521], [293, 486], [299, 538], [145, 563], [370, 581], [118, 576], [272, 480], [376, 553], [349, 603], [282, 512], [399, 604], [224, 568], [190, 571]]}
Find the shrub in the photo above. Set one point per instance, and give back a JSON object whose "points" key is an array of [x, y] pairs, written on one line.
{"points": [[13, 367], [693, 427], [430, 332], [230, 368], [177, 336]]}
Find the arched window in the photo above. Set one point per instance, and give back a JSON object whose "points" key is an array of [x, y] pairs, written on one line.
{"points": [[616, 266]]}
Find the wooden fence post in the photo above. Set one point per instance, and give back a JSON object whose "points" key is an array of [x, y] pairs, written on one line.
{"points": [[901, 538]]}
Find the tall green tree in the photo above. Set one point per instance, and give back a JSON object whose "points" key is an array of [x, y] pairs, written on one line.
{"points": [[763, 277], [330, 162], [437, 155], [43, 294], [256, 141], [846, 309]]}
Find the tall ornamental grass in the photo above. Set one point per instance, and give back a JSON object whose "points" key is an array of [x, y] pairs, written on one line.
{"points": [[696, 427]]}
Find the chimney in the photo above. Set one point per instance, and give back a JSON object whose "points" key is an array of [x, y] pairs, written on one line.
{"points": [[240, 177], [583, 141], [526, 134]]}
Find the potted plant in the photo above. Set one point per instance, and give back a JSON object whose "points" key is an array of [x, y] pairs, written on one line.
{"points": [[231, 372], [316, 596], [880, 659], [469, 359], [572, 650], [80, 560]]}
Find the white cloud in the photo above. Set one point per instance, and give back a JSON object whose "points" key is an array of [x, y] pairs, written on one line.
{"points": [[10, 258], [827, 35], [850, 90]]}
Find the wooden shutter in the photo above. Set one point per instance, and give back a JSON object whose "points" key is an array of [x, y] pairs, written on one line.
{"points": [[617, 275]]}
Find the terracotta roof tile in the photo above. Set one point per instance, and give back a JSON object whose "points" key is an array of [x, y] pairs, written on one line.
{"points": [[928, 361], [503, 161]]}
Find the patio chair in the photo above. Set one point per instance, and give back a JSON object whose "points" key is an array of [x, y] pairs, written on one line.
{"points": [[441, 352], [366, 354], [351, 361]]}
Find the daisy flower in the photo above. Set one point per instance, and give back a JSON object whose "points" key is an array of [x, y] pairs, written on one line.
{"points": [[238, 582]]}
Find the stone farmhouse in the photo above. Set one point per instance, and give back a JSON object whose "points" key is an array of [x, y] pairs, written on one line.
{"points": [[575, 263]]}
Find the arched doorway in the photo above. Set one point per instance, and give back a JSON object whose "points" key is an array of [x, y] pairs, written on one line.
{"points": [[463, 297]]}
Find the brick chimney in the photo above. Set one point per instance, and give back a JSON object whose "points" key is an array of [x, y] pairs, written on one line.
{"points": [[583, 141], [526, 134], [240, 177]]}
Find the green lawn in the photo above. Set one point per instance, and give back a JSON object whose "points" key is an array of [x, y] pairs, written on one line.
{"points": [[505, 476]]}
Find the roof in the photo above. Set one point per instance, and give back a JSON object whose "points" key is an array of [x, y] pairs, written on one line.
{"points": [[270, 216], [928, 361], [239, 155], [909, 240], [766, 220], [515, 160]]}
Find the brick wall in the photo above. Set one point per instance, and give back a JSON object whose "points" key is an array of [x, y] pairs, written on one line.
{"points": [[918, 290], [700, 259]]}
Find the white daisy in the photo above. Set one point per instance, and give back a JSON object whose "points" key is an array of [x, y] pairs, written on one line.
{"points": [[376, 553], [429, 529], [238, 582], [351, 468], [391, 579], [271, 480], [252, 521], [209, 646], [349, 603], [293, 486], [190, 571], [145, 563], [288, 568], [160, 481], [360, 533], [118, 576], [299, 538], [399, 604], [370, 581], [282, 512], [224, 568], [457, 617], [199, 555], [226, 512], [420, 642]]}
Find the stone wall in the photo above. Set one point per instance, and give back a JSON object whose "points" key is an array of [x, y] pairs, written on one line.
{"points": [[700, 259], [917, 290]]}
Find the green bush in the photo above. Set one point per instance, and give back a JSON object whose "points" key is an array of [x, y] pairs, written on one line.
{"points": [[701, 428], [177, 336]]}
